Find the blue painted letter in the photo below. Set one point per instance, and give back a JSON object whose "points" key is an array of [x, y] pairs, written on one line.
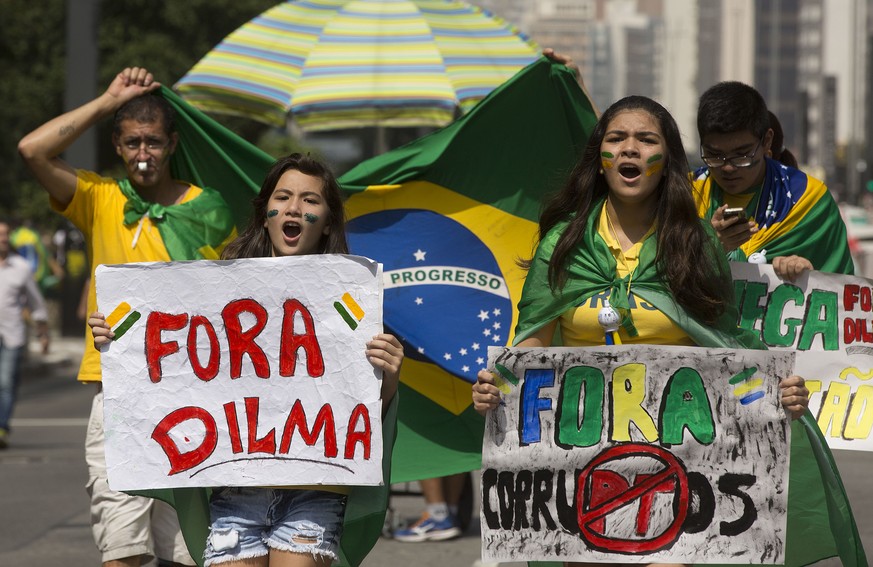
{"points": [[532, 404]]}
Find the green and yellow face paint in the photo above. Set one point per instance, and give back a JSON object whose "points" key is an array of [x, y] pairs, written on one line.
{"points": [[606, 160], [655, 164]]}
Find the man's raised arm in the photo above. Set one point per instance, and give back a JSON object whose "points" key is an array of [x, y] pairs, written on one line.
{"points": [[41, 148]]}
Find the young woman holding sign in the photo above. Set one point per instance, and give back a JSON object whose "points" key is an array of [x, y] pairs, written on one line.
{"points": [[298, 211], [626, 225]]}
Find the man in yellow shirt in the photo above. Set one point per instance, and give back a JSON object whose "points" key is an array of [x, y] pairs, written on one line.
{"points": [[147, 216]]}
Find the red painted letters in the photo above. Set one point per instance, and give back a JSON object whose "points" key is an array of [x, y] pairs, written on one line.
{"points": [[155, 348]]}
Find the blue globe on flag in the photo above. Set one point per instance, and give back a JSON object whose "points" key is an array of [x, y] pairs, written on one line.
{"points": [[445, 296]]}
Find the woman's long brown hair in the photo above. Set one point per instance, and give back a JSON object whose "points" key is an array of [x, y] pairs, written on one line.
{"points": [[685, 258]]}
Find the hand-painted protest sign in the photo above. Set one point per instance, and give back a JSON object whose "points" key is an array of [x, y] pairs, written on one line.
{"points": [[636, 454], [242, 373], [828, 319]]}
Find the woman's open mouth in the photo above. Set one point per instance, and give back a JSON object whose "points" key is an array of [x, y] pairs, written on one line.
{"points": [[291, 230], [629, 172]]}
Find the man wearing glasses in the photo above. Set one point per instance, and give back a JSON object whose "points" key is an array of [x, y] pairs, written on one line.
{"points": [[755, 203], [146, 216]]}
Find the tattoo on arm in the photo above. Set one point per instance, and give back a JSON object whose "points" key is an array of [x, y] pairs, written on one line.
{"points": [[67, 129]]}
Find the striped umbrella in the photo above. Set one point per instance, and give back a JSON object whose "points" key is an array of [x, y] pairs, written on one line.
{"points": [[335, 64]]}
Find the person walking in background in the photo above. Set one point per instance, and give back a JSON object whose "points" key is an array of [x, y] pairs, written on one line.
{"points": [[18, 289], [146, 216], [779, 211]]}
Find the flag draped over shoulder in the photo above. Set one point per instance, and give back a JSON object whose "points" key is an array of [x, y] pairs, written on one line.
{"points": [[820, 520], [210, 155], [448, 216], [195, 229], [796, 214]]}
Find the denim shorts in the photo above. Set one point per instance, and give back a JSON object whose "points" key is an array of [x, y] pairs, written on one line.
{"points": [[248, 522]]}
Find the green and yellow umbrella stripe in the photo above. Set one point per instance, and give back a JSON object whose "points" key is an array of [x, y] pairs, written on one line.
{"points": [[338, 63]]}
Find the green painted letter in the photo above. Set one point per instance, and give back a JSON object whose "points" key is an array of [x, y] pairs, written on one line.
{"points": [[750, 311], [685, 404], [821, 318], [583, 384], [771, 328]]}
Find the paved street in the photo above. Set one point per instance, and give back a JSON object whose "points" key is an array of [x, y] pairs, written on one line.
{"points": [[44, 505]]}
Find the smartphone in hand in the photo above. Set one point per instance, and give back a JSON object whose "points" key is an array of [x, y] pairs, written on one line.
{"points": [[738, 212]]}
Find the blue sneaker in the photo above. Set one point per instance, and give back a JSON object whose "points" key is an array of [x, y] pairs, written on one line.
{"points": [[428, 529]]}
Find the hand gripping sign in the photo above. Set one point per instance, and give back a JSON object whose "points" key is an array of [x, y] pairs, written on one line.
{"points": [[242, 373], [636, 454]]}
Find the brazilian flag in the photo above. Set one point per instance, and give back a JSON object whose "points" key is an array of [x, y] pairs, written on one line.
{"points": [[449, 216]]}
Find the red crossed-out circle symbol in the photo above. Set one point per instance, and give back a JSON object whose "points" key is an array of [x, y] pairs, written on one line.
{"points": [[592, 513]]}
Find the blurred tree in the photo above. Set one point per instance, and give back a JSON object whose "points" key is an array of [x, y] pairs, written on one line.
{"points": [[32, 67], [168, 37]]}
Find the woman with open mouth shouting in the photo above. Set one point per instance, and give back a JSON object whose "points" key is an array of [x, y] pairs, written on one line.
{"points": [[625, 226]]}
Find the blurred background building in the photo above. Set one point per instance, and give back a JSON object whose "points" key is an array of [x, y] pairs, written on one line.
{"points": [[809, 58]]}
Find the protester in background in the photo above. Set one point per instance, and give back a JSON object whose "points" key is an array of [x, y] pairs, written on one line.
{"points": [[440, 521], [28, 243], [298, 211], [18, 289], [625, 226], [146, 216], [785, 215]]}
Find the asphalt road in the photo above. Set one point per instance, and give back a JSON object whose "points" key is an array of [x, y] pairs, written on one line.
{"points": [[44, 507]]}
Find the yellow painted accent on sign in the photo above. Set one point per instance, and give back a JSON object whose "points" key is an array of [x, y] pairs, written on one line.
{"points": [[744, 388], [119, 312], [353, 306]]}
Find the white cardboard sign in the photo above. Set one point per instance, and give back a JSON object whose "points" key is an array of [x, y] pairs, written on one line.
{"points": [[242, 373], [828, 320], [636, 454]]}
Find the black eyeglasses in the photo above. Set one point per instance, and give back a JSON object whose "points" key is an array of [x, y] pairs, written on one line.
{"points": [[736, 161]]}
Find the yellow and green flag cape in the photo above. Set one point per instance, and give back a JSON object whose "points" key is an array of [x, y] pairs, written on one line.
{"points": [[448, 216], [796, 214], [820, 520]]}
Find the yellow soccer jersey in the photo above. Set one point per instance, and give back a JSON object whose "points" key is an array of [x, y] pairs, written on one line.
{"points": [[97, 209], [579, 326]]}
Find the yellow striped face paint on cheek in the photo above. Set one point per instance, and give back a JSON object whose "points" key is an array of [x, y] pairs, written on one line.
{"points": [[655, 163], [606, 160]]}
